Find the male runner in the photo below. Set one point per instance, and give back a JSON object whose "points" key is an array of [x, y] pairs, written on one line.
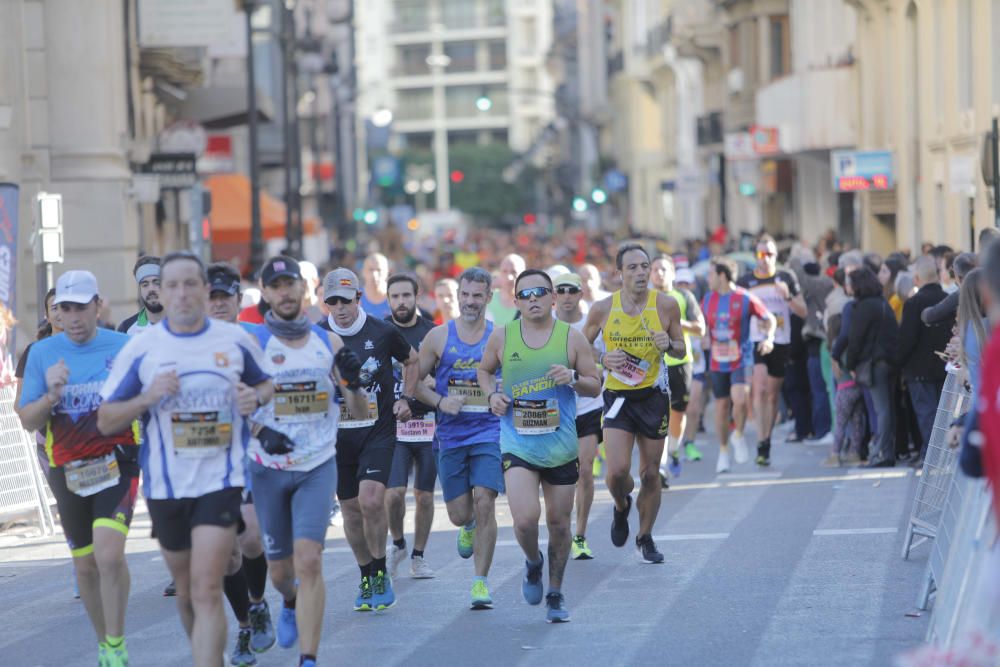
{"points": [[374, 298], [638, 326], [191, 381], [246, 572], [94, 477], [729, 311], [446, 300], [468, 436], [678, 370], [502, 308], [413, 442], [292, 461], [147, 276], [589, 409], [590, 278], [366, 440], [779, 291], [699, 367], [545, 365]]}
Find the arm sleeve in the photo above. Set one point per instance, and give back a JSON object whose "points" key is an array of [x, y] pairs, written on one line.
{"points": [[856, 337], [793, 282], [942, 311], [398, 347], [123, 381], [909, 329], [22, 362], [840, 344], [253, 373], [757, 307]]}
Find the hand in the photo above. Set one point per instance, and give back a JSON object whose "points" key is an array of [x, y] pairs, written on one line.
{"points": [[56, 377], [499, 404], [954, 437], [273, 442], [163, 385], [560, 374], [349, 366], [661, 339], [614, 360], [451, 405], [765, 346], [783, 290], [247, 400], [401, 409]]}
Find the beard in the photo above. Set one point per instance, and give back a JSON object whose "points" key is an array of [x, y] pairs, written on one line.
{"points": [[470, 313], [404, 315], [154, 308], [291, 316]]}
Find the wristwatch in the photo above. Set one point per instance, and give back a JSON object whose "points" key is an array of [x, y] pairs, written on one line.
{"points": [[576, 378]]}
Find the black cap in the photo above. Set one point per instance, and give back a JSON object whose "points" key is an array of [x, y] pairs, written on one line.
{"points": [[279, 266], [220, 282]]}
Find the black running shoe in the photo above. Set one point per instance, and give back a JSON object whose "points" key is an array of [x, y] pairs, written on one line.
{"points": [[647, 550], [619, 524], [763, 454], [170, 590]]}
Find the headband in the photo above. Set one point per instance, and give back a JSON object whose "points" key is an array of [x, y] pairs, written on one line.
{"points": [[147, 271]]}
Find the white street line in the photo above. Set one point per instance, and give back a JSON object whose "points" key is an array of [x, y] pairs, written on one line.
{"points": [[854, 531], [691, 536], [749, 475]]}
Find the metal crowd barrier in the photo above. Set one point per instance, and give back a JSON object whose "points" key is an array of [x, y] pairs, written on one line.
{"points": [[22, 488]]}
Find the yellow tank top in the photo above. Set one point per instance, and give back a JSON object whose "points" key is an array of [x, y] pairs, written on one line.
{"points": [[633, 335]]}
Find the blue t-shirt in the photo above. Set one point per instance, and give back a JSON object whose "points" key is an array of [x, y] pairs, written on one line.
{"points": [[71, 433], [379, 311]]}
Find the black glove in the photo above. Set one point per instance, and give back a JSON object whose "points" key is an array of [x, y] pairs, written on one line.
{"points": [[274, 442], [349, 366]]}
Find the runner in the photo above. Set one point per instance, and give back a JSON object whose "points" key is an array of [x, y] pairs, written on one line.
{"points": [[637, 326], [503, 308], [468, 436], [366, 440], [191, 381], [292, 463], [729, 311], [779, 292], [94, 477], [446, 300], [374, 298], [569, 292], [147, 276], [679, 371], [699, 366], [413, 442], [246, 572], [545, 365], [590, 277]]}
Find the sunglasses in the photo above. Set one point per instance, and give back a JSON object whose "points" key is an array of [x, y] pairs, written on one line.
{"points": [[528, 292], [338, 301], [761, 254], [568, 290]]}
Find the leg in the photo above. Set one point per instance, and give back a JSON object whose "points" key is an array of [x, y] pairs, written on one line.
{"points": [[723, 405], [283, 577], [883, 400], [460, 509], [254, 562], [210, 549], [558, 507], [109, 554], [371, 497], [585, 487], [618, 447], [820, 399], [758, 383], [741, 404], [88, 580], [423, 519], [311, 597], [395, 509], [486, 529], [179, 564], [354, 530], [525, 509], [648, 502], [695, 408]]}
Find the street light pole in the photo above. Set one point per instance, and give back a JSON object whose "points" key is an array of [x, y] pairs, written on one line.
{"points": [[256, 232]]}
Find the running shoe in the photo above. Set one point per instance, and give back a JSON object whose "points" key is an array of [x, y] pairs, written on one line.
{"points": [[691, 452], [647, 550], [307, 663], [336, 517], [739, 445], [466, 540], [364, 600], [664, 478], [531, 587], [383, 596], [102, 655], [242, 654], [288, 629], [675, 465], [822, 441], [170, 590], [579, 549], [763, 455], [261, 628], [556, 613], [597, 466], [117, 657], [619, 523], [395, 556], [480, 595], [722, 465], [419, 569]]}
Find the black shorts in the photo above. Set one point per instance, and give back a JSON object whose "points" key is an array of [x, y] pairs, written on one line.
{"points": [[679, 378], [589, 423], [565, 475], [174, 519], [369, 459], [643, 411], [776, 361], [419, 455], [110, 508]]}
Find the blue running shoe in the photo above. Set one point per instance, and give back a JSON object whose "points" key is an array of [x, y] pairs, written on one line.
{"points": [[308, 663], [262, 629], [242, 655], [382, 595], [556, 613], [364, 600], [674, 466], [531, 587], [288, 630]]}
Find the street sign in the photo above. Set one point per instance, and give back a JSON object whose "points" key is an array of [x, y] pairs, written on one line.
{"points": [[739, 146], [8, 248], [615, 180], [765, 140], [854, 171], [176, 171]]}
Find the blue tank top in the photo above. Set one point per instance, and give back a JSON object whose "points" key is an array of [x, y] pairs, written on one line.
{"points": [[456, 376]]}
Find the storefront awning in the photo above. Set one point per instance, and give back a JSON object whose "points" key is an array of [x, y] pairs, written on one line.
{"points": [[230, 218], [223, 107]]}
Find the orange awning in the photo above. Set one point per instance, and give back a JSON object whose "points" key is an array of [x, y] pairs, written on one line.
{"points": [[230, 216]]}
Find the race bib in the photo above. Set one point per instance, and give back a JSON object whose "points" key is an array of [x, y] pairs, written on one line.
{"points": [[536, 417], [475, 397], [201, 433], [725, 351], [633, 372], [90, 476], [347, 420], [300, 400], [417, 429]]}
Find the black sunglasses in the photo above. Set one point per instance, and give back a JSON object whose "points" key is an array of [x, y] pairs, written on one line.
{"points": [[338, 301], [537, 292], [568, 290]]}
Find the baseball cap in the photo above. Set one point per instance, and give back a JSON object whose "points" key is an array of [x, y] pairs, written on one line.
{"points": [[685, 276], [568, 279], [341, 282], [220, 282], [75, 287], [279, 266]]}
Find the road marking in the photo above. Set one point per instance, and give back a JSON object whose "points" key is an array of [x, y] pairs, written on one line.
{"points": [[749, 475], [854, 531], [691, 536]]}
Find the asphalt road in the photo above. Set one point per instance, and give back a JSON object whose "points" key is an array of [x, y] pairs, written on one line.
{"points": [[792, 565]]}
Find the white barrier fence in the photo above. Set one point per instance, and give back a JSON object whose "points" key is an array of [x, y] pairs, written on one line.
{"points": [[22, 488]]}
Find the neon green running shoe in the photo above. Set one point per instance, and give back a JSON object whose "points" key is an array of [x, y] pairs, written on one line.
{"points": [[117, 657], [691, 452], [102, 655], [579, 549], [466, 539], [480, 595]]}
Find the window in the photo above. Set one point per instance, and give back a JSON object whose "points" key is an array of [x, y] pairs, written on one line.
{"points": [[458, 13], [412, 15], [411, 60], [418, 140], [414, 104], [965, 60], [735, 57], [498, 54], [780, 43], [496, 15], [460, 101], [463, 56]]}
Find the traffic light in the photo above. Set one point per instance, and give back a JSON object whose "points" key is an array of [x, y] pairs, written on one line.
{"points": [[579, 204], [457, 176], [484, 103], [598, 196], [359, 214], [529, 218], [371, 217], [413, 224], [748, 189]]}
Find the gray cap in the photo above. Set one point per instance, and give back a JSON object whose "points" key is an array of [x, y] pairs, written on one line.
{"points": [[341, 282]]}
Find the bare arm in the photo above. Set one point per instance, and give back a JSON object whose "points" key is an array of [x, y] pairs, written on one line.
{"points": [[427, 361], [486, 373], [595, 319], [582, 360], [695, 325], [115, 417], [35, 415], [798, 306], [670, 312]]}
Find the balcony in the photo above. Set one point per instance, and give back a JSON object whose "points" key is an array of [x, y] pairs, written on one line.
{"points": [[813, 110]]}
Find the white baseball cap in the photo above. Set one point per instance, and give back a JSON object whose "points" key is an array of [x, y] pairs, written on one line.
{"points": [[75, 287], [685, 276]]}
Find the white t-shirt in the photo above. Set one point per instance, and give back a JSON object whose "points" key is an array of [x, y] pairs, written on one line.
{"points": [[585, 404], [194, 443]]}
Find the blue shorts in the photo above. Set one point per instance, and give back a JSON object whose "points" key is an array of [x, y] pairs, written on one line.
{"points": [[292, 505], [723, 381], [461, 468]]}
